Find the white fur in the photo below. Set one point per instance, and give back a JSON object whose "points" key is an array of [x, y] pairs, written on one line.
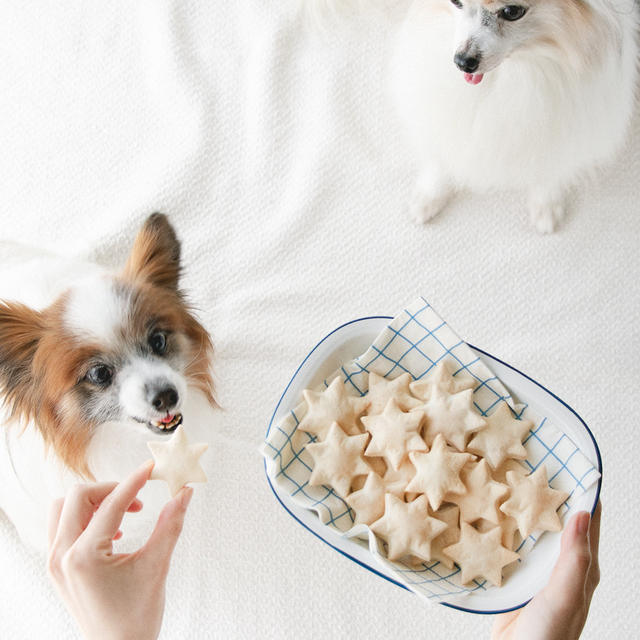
{"points": [[96, 311], [536, 123]]}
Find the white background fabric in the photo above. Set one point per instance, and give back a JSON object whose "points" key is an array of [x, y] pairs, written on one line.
{"points": [[278, 156]]}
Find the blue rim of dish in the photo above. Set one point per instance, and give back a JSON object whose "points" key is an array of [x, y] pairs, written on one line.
{"points": [[368, 567]]}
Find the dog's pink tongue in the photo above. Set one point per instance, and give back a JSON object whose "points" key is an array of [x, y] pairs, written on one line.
{"points": [[167, 419], [474, 78]]}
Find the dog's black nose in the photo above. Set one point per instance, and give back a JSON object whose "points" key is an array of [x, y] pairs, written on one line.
{"points": [[465, 63], [166, 399]]}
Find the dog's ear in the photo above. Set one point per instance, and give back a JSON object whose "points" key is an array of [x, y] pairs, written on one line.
{"points": [[21, 330], [155, 256]]}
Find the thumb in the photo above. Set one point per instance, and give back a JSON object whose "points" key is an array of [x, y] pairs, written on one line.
{"points": [[159, 548], [569, 577]]}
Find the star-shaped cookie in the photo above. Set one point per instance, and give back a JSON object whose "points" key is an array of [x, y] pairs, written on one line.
{"points": [[338, 460], [501, 438], [482, 496], [500, 474], [440, 378], [396, 480], [508, 526], [378, 465], [368, 502], [407, 528], [382, 390], [452, 415], [533, 503], [438, 472], [329, 406], [450, 515], [480, 555], [177, 461], [394, 433]]}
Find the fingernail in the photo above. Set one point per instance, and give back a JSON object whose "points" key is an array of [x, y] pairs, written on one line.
{"points": [[185, 498], [583, 524], [147, 465]]}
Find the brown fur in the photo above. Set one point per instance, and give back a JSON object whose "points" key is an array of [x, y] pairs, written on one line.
{"points": [[38, 363], [155, 256]]}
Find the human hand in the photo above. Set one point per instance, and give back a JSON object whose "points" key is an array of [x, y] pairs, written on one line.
{"points": [[560, 610], [112, 595]]}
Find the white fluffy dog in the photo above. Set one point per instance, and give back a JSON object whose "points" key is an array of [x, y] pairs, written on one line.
{"points": [[517, 94]]}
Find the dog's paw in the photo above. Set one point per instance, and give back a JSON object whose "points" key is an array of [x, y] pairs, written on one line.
{"points": [[546, 214], [427, 202]]}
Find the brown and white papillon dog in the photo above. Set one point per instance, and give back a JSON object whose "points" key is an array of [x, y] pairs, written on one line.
{"points": [[94, 364]]}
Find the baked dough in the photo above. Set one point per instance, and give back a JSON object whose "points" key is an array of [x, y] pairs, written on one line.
{"points": [[177, 461], [450, 515], [482, 496], [452, 415], [501, 438], [440, 378], [438, 472], [382, 390], [480, 555], [338, 460], [329, 406], [407, 528], [533, 503], [393, 434], [368, 502]]}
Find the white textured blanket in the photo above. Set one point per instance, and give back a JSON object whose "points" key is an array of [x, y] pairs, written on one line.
{"points": [[279, 159]]}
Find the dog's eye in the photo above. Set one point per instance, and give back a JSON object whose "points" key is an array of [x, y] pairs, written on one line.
{"points": [[158, 342], [512, 12], [456, 3], [100, 374]]}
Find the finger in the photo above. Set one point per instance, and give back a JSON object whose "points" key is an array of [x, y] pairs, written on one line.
{"points": [[78, 509], [163, 539], [134, 507], [567, 583], [594, 545], [108, 517], [502, 621], [594, 531], [55, 509]]}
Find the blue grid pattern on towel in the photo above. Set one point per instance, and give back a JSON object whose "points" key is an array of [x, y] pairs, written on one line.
{"points": [[415, 341]]}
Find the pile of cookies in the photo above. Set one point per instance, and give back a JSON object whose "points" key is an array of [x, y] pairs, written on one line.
{"points": [[430, 476]]}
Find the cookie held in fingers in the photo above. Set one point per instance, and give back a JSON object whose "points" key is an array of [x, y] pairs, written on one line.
{"points": [[533, 503], [329, 406], [407, 528], [338, 460], [177, 462], [480, 555]]}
